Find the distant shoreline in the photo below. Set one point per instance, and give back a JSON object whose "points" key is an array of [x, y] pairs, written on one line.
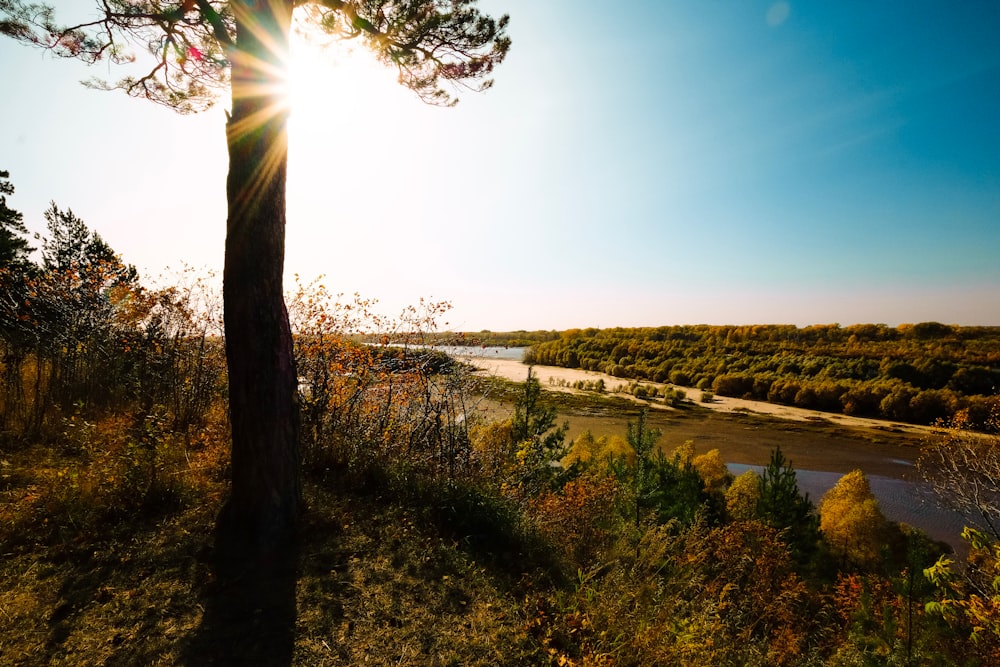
{"points": [[556, 378]]}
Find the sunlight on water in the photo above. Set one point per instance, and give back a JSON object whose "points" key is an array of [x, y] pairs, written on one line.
{"points": [[491, 352]]}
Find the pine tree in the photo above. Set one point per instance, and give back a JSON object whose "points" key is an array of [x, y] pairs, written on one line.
{"points": [[14, 248], [781, 506], [539, 443], [199, 47]]}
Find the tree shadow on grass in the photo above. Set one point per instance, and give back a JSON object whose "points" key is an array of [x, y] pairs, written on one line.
{"points": [[112, 588], [250, 610]]}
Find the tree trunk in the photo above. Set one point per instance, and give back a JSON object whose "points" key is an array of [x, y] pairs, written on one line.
{"points": [[262, 510]]}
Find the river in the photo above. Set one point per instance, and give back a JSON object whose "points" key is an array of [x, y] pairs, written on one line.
{"points": [[903, 498]]}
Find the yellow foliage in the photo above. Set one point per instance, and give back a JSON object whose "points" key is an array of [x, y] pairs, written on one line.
{"points": [[492, 442], [615, 445], [684, 453], [588, 449], [851, 519], [712, 469], [582, 450], [742, 495]]}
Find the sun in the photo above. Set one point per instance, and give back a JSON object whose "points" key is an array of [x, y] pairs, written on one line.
{"points": [[325, 74], [359, 165]]}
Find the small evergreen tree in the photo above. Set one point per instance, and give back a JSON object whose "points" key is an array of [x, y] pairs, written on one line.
{"points": [[781, 506], [642, 440], [72, 246], [539, 443], [677, 491]]}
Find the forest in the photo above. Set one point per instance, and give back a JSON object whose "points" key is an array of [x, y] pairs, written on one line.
{"points": [[921, 373], [435, 534]]}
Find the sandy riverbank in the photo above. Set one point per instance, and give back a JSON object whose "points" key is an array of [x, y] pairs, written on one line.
{"points": [[555, 378]]}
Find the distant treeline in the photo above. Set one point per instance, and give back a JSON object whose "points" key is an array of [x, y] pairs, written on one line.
{"points": [[917, 373]]}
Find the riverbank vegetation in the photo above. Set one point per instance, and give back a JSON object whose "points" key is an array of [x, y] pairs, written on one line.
{"points": [[435, 533], [920, 373]]}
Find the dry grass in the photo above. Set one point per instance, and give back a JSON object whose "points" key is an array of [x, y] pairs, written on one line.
{"points": [[378, 585], [373, 582]]}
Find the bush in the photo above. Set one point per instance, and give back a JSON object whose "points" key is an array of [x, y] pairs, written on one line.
{"points": [[736, 385], [680, 377], [932, 405], [674, 397]]}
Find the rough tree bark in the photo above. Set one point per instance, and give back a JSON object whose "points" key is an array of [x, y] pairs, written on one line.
{"points": [[266, 491]]}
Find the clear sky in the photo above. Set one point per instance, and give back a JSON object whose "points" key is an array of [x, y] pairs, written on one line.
{"points": [[642, 162]]}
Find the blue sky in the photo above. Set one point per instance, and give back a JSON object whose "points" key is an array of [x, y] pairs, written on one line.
{"points": [[640, 163]]}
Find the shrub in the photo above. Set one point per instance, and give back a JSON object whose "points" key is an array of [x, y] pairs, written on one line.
{"points": [[580, 519], [674, 397], [736, 385], [680, 377]]}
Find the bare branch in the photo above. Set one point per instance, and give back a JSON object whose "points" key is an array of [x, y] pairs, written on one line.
{"points": [[963, 468]]}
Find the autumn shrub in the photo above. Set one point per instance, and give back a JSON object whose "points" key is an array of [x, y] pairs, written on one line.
{"points": [[674, 397], [762, 609], [880, 621], [784, 391], [371, 394], [736, 385], [494, 447], [620, 612], [862, 400], [687, 596], [581, 518], [742, 496], [117, 468], [896, 403], [713, 471], [183, 363], [870, 616], [851, 521], [679, 377]]}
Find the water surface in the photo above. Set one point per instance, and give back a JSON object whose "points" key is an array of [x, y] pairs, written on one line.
{"points": [[903, 500]]}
